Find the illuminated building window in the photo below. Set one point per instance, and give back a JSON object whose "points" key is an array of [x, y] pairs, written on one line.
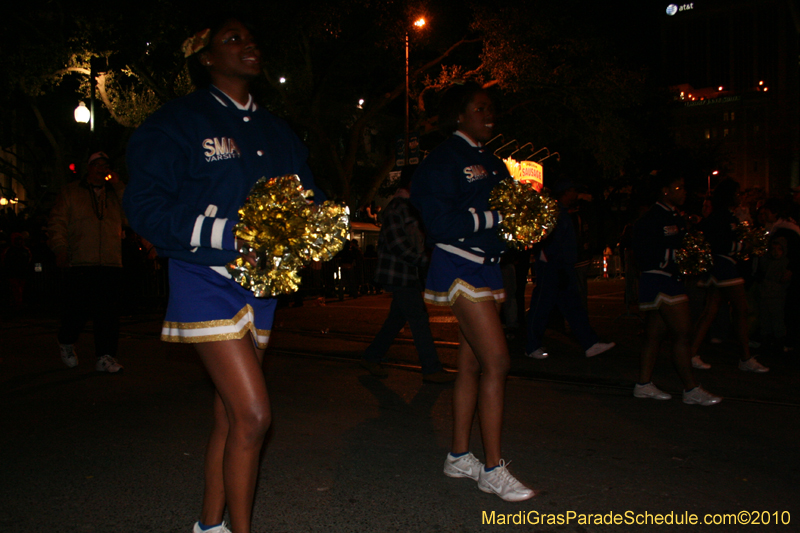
{"points": [[732, 116], [725, 132], [708, 134]]}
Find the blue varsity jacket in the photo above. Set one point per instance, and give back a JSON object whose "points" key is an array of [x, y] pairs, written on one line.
{"points": [[656, 236], [451, 190], [191, 166], [718, 230]]}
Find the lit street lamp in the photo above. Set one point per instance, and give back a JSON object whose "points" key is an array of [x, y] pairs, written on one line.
{"points": [[419, 23], [82, 113]]}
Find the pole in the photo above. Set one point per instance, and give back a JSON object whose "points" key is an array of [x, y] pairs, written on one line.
{"points": [[91, 100], [405, 146]]}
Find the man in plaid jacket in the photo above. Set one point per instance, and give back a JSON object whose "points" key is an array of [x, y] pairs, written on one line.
{"points": [[401, 257]]}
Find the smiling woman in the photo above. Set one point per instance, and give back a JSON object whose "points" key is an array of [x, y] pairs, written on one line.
{"points": [[451, 190], [228, 55], [232, 55], [191, 165], [477, 120]]}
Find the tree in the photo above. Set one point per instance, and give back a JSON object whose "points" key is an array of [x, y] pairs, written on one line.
{"points": [[558, 83], [48, 52], [348, 51], [563, 81]]}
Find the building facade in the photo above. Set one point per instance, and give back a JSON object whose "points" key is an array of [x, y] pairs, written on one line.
{"points": [[734, 69]]}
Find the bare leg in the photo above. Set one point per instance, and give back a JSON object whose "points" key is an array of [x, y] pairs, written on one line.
{"points": [[479, 324], [465, 395], [214, 493], [709, 312], [676, 317], [737, 296], [656, 328], [241, 419]]}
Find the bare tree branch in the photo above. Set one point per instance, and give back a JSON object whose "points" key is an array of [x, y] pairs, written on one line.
{"points": [[101, 88]]}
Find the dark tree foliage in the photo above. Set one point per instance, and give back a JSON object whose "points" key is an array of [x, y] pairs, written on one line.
{"points": [[557, 79]]}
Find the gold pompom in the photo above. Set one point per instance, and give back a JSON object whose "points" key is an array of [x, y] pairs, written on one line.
{"points": [[754, 241], [528, 217], [695, 257], [284, 231]]}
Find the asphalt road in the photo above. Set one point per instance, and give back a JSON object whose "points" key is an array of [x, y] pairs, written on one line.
{"points": [[83, 452]]}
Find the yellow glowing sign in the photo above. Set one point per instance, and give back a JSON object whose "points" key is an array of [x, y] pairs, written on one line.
{"points": [[526, 171]]}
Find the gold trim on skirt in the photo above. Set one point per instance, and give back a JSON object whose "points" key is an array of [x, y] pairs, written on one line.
{"points": [[216, 330], [462, 288]]}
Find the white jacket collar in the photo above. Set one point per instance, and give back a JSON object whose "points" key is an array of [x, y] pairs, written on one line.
{"points": [[466, 138], [224, 99]]}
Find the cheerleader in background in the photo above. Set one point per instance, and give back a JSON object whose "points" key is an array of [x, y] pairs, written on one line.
{"points": [[662, 296], [724, 280]]}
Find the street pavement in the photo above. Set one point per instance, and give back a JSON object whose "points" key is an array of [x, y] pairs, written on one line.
{"points": [[85, 452]]}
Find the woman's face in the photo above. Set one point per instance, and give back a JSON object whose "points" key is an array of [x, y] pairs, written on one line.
{"points": [[232, 53], [675, 194], [477, 120]]}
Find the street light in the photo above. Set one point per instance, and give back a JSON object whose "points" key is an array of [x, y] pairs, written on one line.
{"points": [[419, 23], [82, 113]]}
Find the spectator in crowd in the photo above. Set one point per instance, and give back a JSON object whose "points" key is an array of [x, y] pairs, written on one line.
{"points": [[17, 263], [374, 213], [557, 283], [773, 279], [86, 237], [401, 255], [771, 216]]}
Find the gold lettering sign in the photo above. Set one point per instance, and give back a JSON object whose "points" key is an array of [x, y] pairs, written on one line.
{"points": [[526, 171]]}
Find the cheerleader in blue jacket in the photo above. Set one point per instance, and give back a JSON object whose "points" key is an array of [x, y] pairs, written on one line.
{"points": [[191, 166], [725, 281], [451, 190], [662, 296]]}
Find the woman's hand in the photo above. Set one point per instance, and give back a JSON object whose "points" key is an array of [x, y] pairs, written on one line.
{"points": [[250, 258]]}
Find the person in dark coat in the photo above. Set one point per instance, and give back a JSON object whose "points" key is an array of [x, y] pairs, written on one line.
{"points": [[557, 283]]}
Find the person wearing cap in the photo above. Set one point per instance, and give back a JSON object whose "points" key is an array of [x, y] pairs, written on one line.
{"points": [[557, 283], [85, 234]]}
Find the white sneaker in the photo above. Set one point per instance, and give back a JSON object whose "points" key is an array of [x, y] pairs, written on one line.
{"points": [[463, 466], [500, 481], [752, 365], [216, 529], [649, 390], [599, 347], [108, 364], [700, 396], [699, 363], [540, 353], [68, 355]]}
